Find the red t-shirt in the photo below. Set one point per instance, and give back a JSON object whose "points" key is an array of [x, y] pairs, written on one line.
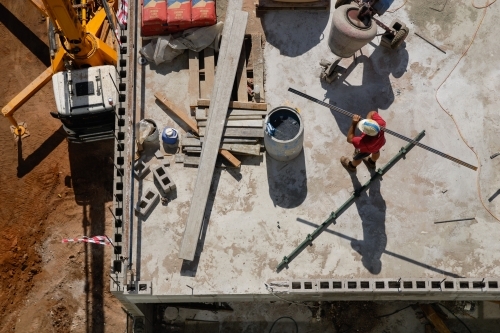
{"points": [[370, 144]]}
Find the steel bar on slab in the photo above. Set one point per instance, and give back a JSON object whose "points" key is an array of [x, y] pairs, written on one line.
{"points": [[457, 220], [350, 115], [334, 215]]}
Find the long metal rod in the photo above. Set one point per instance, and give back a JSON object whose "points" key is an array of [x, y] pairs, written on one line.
{"points": [[334, 215], [348, 114]]}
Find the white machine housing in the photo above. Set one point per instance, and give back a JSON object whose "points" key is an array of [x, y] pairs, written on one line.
{"points": [[85, 91]]}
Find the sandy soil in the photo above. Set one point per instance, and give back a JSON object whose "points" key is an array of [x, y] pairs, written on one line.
{"points": [[50, 190]]}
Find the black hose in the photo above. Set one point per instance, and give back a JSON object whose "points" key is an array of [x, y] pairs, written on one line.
{"points": [[285, 317]]}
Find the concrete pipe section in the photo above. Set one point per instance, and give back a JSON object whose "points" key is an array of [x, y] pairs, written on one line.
{"points": [[285, 135], [348, 34]]}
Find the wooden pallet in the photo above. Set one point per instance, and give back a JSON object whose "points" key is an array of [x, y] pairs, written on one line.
{"points": [[266, 5], [202, 68]]}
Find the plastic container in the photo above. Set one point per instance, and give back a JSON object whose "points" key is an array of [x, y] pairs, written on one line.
{"points": [[169, 136], [288, 136]]}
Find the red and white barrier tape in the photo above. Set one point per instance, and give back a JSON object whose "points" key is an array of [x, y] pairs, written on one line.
{"points": [[103, 240]]}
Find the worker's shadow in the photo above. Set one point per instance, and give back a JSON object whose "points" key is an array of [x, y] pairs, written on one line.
{"points": [[371, 208], [375, 91]]}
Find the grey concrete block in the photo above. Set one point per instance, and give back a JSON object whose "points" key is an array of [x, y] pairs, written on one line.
{"points": [[359, 285], [387, 285], [147, 202], [163, 179], [415, 285], [140, 169], [303, 286]]}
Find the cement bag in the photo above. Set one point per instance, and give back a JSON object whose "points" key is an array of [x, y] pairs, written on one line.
{"points": [[154, 12], [179, 12], [143, 129], [203, 13], [197, 39]]}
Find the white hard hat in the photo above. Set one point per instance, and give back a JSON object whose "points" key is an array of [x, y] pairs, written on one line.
{"points": [[369, 127]]}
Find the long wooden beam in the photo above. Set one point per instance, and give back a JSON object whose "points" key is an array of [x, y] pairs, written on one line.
{"points": [[226, 72]]}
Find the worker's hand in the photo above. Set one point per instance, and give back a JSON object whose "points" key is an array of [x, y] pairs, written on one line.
{"points": [[356, 118]]}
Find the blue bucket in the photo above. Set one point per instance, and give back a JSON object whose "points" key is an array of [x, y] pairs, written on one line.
{"points": [[169, 136]]}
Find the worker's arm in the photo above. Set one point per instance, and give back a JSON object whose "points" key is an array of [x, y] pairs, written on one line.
{"points": [[370, 114], [352, 129]]}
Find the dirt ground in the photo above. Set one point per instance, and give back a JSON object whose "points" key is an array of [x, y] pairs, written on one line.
{"points": [[50, 190]]}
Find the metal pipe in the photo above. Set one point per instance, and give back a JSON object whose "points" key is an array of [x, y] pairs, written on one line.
{"points": [[386, 130], [334, 215]]}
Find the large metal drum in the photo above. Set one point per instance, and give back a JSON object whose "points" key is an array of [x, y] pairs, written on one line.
{"points": [[288, 138], [348, 34]]}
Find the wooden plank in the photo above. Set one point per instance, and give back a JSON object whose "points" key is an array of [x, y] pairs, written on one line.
{"points": [[191, 160], [201, 114], [194, 78], [226, 72], [239, 132], [241, 77], [258, 66], [191, 142], [433, 317], [245, 118], [228, 156], [177, 112], [235, 140], [192, 149], [242, 149], [237, 105], [209, 72], [239, 123], [237, 112]]}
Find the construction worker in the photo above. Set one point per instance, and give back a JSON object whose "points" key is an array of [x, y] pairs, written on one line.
{"points": [[369, 143]]}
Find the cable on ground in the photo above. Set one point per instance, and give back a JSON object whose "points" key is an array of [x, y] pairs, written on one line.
{"points": [[460, 320], [286, 317], [392, 313], [478, 186]]}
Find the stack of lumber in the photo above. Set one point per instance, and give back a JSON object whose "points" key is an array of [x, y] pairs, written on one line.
{"points": [[243, 133]]}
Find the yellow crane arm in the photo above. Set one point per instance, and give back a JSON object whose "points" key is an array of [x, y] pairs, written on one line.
{"points": [[65, 19]]}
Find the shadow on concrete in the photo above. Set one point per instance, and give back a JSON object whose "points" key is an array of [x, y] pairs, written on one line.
{"points": [[92, 182], [189, 268], [375, 91], [25, 35], [292, 32], [390, 253], [371, 208], [25, 166], [287, 181]]}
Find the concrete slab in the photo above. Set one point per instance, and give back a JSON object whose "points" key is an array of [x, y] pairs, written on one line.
{"points": [[389, 233]]}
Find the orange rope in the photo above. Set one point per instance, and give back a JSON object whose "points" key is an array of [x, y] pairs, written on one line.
{"points": [[451, 116]]}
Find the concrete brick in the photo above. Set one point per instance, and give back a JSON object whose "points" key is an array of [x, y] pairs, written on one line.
{"points": [[163, 180], [147, 202], [415, 285], [387, 285], [140, 169], [446, 285], [359, 285], [472, 285], [303, 286]]}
